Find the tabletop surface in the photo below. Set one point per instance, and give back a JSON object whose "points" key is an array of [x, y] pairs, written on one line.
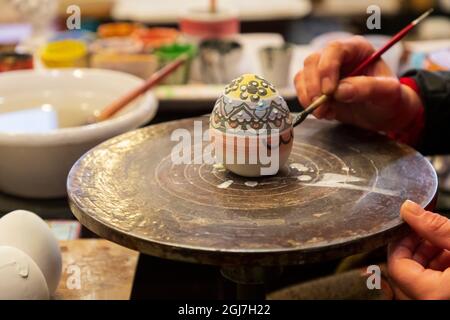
{"points": [[339, 194]]}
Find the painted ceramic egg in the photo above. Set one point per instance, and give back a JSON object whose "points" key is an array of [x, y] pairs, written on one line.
{"points": [[30, 234], [20, 277], [251, 127]]}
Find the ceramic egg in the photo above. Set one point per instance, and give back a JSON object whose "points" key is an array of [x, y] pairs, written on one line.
{"points": [[251, 127], [20, 277], [28, 233]]}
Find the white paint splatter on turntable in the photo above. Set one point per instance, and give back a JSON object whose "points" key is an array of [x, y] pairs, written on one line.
{"points": [[335, 180], [298, 166], [304, 178], [251, 184], [218, 167], [318, 215], [225, 184]]}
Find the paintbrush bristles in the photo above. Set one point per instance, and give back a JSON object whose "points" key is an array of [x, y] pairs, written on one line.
{"points": [[310, 109], [423, 16]]}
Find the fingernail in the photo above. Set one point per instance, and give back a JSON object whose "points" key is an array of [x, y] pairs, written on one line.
{"points": [[327, 86], [412, 208], [345, 92]]}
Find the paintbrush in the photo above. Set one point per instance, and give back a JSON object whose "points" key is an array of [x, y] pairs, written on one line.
{"points": [[154, 79], [212, 6], [300, 117]]}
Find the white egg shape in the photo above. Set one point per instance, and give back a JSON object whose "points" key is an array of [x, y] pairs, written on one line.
{"points": [[251, 127], [27, 232], [20, 277]]}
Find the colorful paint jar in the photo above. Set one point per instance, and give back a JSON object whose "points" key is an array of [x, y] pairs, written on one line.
{"points": [[199, 23], [15, 61], [82, 35], [219, 61], [140, 65], [167, 54], [126, 45], [116, 29], [251, 127], [65, 54], [154, 38]]}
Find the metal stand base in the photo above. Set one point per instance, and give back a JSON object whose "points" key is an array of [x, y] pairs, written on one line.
{"points": [[157, 278], [251, 281]]}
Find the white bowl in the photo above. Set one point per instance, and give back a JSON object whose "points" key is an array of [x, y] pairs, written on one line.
{"points": [[35, 164]]}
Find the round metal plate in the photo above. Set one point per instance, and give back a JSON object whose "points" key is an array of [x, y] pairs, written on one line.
{"points": [[339, 194]]}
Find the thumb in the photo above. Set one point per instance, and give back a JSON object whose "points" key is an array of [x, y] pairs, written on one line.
{"points": [[368, 89], [430, 226]]}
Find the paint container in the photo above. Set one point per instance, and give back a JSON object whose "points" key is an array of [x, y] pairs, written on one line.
{"points": [[64, 54], [140, 65], [81, 35], [126, 45], [116, 29], [198, 24], [11, 35], [167, 54], [15, 61], [219, 60], [275, 64], [154, 38], [124, 54]]}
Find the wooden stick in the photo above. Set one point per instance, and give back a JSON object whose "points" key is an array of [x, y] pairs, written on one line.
{"points": [[154, 79], [212, 6]]}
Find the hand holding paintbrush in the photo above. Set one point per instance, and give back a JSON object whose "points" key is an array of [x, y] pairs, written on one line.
{"points": [[357, 71]]}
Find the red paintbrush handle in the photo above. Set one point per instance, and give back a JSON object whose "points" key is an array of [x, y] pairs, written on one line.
{"points": [[377, 54]]}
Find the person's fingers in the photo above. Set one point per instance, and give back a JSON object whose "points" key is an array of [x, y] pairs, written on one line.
{"points": [[431, 226], [311, 76], [425, 253], [336, 56], [380, 68], [441, 262], [364, 89], [403, 270], [322, 111], [404, 248], [303, 97], [301, 90], [311, 83], [400, 254], [329, 67], [399, 294], [330, 113]]}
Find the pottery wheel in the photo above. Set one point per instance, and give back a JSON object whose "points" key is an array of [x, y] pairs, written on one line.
{"points": [[339, 194]]}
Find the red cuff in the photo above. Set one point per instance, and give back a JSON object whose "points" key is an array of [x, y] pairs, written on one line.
{"points": [[411, 135]]}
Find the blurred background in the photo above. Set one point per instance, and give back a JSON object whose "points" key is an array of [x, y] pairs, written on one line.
{"points": [[223, 38]]}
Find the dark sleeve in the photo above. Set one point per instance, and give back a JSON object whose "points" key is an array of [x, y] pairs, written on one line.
{"points": [[435, 94]]}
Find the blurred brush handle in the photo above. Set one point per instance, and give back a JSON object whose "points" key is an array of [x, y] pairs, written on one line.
{"points": [[154, 79]]}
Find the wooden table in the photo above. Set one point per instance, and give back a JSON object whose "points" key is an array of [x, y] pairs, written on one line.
{"points": [[339, 195], [95, 269]]}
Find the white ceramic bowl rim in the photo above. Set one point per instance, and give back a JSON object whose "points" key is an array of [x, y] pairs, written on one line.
{"points": [[138, 114]]}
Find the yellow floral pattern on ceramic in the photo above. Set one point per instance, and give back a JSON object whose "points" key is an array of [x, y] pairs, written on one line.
{"points": [[250, 103], [250, 87]]}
